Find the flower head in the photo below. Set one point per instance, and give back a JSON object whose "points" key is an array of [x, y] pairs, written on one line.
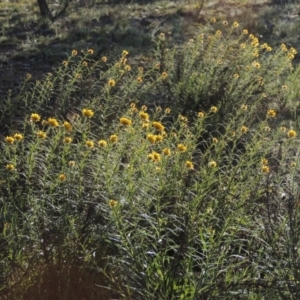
{"points": [[151, 138], [104, 59], [35, 117], [125, 121], [235, 24], [164, 75], [144, 116], [244, 129], [67, 140], [112, 203], [181, 148], [10, 140], [68, 126], [89, 144], [102, 143], [166, 151], [111, 82], [41, 134], [245, 32], [154, 156], [264, 161], [74, 52], [10, 167], [62, 177], [271, 113], [91, 51], [18, 137], [212, 164], [113, 138], [291, 133], [213, 109], [87, 112], [72, 163], [265, 169], [158, 126], [53, 122], [189, 165], [139, 79]]}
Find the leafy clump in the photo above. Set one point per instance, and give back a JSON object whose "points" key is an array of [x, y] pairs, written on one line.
{"points": [[175, 180]]}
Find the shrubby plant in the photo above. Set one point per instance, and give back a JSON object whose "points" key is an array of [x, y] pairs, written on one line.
{"points": [[175, 180]]}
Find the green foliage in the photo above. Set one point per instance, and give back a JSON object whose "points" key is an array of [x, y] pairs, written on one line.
{"points": [[175, 180]]}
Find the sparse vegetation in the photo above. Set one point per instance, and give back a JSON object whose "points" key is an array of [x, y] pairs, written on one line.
{"points": [[165, 174]]}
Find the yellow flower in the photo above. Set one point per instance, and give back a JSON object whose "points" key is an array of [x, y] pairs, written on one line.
{"points": [[293, 50], [111, 82], [125, 53], [269, 49], [244, 107], [213, 109], [113, 138], [158, 126], [267, 129], [10, 140], [151, 138], [284, 87], [125, 121], [68, 126], [154, 156], [164, 75], [87, 112], [89, 144], [127, 68], [213, 20], [67, 140], [181, 148], [245, 32], [102, 143], [85, 63], [159, 138], [74, 52], [189, 165], [251, 37], [283, 47], [243, 46], [236, 76], [53, 122], [265, 169], [72, 163], [166, 151], [235, 24], [41, 134], [256, 64], [215, 140], [65, 63], [62, 177], [144, 108], [218, 32], [183, 118], [10, 167], [212, 164], [112, 203], [144, 116], [35, 117], [291, 56], [244, 129], [283, 129], [139, 80], [44, 122], [225, 23], [104, 59], [18, 136], [167, 110], [28, 75], [271, 113], [201, 114], [91, 51], [145, 125], [264, 162], [291, 133]]}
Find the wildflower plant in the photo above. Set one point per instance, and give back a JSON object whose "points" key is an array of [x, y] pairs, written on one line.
{"points": [[182, 201]]}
